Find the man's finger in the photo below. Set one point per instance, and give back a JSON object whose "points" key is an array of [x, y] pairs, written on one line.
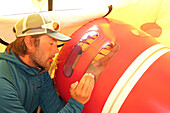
{"points": [[89, 84], [82, 82], [73, 86]]}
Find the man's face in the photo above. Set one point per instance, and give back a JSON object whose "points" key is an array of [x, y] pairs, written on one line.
{"points": [[44, 52]]}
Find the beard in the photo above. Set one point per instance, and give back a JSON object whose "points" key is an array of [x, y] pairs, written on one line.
{"points": [[37, 58]]}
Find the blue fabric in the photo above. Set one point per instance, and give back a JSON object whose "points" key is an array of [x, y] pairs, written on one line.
{"points": [[23, 88]]}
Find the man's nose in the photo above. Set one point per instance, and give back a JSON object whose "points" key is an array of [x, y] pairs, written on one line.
{"points": [[55, 49]]}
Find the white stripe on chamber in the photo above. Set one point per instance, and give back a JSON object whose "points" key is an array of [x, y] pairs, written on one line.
{"points": [[131, 76]]}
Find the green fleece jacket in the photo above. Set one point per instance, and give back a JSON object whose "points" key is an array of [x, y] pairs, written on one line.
{"points": [[23, 88]]}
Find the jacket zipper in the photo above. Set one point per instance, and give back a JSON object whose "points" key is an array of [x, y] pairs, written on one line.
{"points": [[32, 98]]}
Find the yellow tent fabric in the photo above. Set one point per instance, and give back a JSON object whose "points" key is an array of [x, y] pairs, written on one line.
{"points": [[2, 48], [146, 11], [142, 12]]}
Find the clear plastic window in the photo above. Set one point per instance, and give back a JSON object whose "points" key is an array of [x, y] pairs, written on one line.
{"points": [[102, 59], [77, 52]]}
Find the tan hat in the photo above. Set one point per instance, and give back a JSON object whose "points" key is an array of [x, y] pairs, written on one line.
{"points": [[35, 24]]}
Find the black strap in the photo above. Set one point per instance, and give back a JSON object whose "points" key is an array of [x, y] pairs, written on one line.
{"points": [[3, 42]]}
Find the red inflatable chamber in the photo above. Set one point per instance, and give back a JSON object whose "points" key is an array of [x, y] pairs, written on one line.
{"points": [[132, 69]]}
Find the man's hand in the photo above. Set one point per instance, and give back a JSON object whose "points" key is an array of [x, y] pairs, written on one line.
{"points": [[82, 91]]}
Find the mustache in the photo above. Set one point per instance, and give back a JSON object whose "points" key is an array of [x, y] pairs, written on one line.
{"points": [[52, 56]]}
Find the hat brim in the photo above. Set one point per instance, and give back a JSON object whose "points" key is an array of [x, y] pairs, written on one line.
{"points": [[58, 36]]}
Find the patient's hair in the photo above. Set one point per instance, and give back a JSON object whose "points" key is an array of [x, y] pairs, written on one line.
{"points": [[18, 46]]}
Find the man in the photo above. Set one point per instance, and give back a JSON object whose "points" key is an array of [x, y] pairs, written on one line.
{"points": [[24, 81]]}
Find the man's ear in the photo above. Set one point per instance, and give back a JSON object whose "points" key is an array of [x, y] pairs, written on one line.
{"points": [[29, 42]]}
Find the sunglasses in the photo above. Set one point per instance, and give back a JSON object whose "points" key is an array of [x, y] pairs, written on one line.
{"points": [[51, 26]]}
